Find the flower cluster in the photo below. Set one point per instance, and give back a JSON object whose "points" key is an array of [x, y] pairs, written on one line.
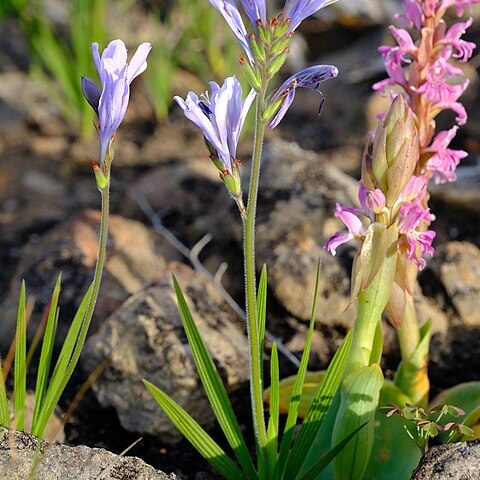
{"points": [[268, 46], [430, 82]]}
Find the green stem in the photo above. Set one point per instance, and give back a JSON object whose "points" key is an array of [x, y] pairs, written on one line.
{"points": [[256, 387], [409, 332], [97, 277]]}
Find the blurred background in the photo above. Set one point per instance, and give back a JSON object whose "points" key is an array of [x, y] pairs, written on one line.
{"points": [[164, 183]]}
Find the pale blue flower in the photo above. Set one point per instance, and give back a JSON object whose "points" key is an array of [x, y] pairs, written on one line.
{"points": [[255, 10], [299, 10], [310, 77], [220, 116], [115, 76]]}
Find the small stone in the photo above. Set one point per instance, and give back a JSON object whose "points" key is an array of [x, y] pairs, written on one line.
{"points": [[454, 461], [21, 453], [145, 339], [457, 265]]}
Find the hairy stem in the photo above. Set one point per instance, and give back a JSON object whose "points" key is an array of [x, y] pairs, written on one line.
{"points": [[256, 387]]}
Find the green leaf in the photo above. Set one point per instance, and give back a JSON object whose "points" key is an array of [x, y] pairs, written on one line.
{"points": [[326, 459], [412, 376], [394, 453], [65, 364], [359, 395], [47, 350], [196, 435], [4, 412], [262, 313], [272, 430], [20, 373], [305, 450], [297, 389], [213, 385]]}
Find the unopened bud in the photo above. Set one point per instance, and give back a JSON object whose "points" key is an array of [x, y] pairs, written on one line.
{"points": [[375, 201], [395, 150], [277, 63], [258, 50], [272, 109], [232, 182], [251, 74], [100, 178], [282, 28], [263, 33], [281, 44]]}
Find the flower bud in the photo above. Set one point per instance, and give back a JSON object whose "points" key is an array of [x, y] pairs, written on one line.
{"points": [[277, 63], [263, 33], [100, 178], [281, 44], [251, 74], [232, 182], [282, 28], [272, 109], [375, 201], [395, 150], [258, 50]]}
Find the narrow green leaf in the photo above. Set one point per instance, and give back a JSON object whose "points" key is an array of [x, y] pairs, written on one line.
{"points": [[196, 435], [272, 430], [262, 311], [304, 448], [214, 388], [297, 389], [360, 393], [4, 412], [47, 349], [20, 374], [313, 473], [63, 367]]}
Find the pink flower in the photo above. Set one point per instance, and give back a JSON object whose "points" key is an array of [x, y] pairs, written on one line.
{"points": [[418, 243], [349, 216], [444, 160], [452, 40], [413, 16]]}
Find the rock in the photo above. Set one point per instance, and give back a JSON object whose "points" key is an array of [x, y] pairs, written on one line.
{"points": [[19, 454], [457, 266], [297, 194], [455, 461], [134, 256], [144, 339]]}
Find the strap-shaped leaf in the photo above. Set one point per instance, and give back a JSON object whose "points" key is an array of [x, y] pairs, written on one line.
{"points": [[315, 471], [4, 412], [262, 313], [65, 364], [20, 371], [196, 435], [47, 349], [302, 449], [213, 385], [272, 429], [297, 389], [360, 393]]}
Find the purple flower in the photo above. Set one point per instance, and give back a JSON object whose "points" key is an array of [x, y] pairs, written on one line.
{"points": [[231, 14], [220, 116], [115, 76], [452, 40], [299, 10], [444, 160], [310, 77]]}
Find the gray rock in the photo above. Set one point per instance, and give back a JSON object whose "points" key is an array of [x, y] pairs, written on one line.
{"points": [[297, 199], [455, 461], [20, 451], [457, 266], [134, 256], [144, 339]]}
